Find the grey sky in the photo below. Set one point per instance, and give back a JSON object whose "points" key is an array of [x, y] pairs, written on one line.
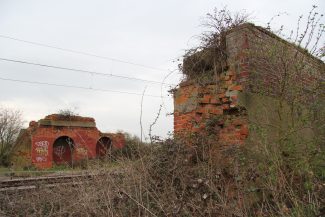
{"points": [[153, 33]]}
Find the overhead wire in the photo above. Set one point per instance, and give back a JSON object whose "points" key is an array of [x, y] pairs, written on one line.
{"points": [[82, 53], [81, 70], [76, 87]]}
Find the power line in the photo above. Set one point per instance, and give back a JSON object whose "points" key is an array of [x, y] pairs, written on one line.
{"points": [[76, 87], [81, 70], [82, 53]]}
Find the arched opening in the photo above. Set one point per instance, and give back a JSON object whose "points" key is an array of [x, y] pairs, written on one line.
{"points": [[63, 150], [103, 147]]}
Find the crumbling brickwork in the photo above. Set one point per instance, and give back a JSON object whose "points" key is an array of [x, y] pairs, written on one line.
{"points": [[218, 100], [64, 140], [200, 107]]}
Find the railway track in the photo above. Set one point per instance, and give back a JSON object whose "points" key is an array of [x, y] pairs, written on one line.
{"points": [[38, 182]]}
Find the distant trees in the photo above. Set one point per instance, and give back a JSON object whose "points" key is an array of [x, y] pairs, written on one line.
{"points": [[10, 125]]}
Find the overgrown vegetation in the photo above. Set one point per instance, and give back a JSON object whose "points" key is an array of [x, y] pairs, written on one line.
{"points": [[67, 112], [133, 148], [279, 172], [209, 58], [10, 125], [288, 131]]}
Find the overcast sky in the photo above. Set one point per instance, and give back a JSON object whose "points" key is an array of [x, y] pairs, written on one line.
{"points": [[145, 32]]}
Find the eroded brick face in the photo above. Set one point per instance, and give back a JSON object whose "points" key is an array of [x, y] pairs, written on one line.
{"points": [[197, 106], [57, 141], [215, 107]]}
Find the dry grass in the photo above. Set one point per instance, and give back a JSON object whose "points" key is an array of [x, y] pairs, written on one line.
{"points": [[174, 178]]}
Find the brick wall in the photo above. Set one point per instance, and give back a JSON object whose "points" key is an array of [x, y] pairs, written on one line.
{"points": [[197, 105], [199, 108], [66, 141]]}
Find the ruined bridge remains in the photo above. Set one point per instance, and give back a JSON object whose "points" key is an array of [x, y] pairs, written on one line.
{"points": [[225, 94], [59, 139]]}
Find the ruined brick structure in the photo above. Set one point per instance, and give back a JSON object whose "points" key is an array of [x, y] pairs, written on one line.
{"points": [[219, 101], [197, 106], [58, 139]]}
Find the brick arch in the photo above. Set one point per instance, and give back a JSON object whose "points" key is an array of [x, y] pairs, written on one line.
{"points": [[47, 134], [103, 146], [63, 149]]}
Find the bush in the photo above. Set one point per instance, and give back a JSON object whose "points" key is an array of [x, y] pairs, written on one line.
{"points": [[10, 126], [133, 149]]}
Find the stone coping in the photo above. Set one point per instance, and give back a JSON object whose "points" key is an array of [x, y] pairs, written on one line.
{"points": [[47, 122]]}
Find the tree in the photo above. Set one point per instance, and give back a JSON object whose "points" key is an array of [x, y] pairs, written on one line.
{"points": [[10, 126]]}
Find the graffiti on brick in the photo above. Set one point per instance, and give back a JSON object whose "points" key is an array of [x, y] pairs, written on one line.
{"points": [[41, 159], [59, 151], [42, 148], [42, 151]]}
